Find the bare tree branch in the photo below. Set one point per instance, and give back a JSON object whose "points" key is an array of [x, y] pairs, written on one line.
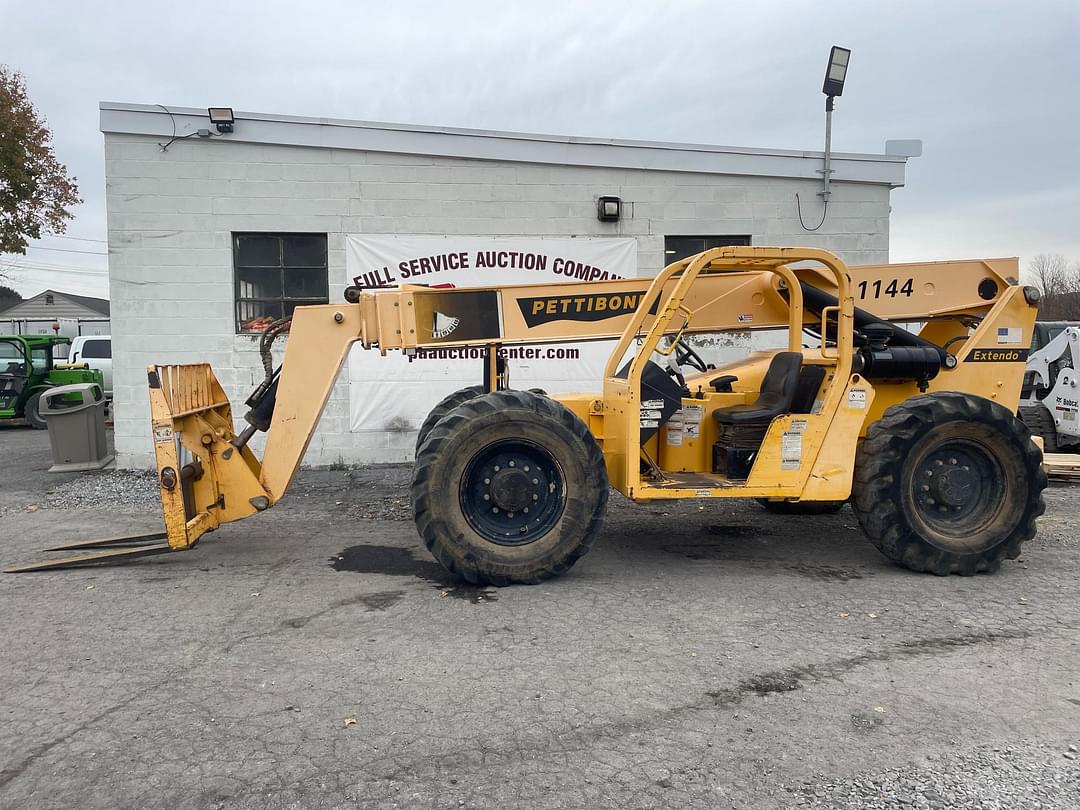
{"points": [[1059, 282]]}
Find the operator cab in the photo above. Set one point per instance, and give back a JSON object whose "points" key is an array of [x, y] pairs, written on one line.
{"points": [[14, 371], [787, 387], [701, 418]]}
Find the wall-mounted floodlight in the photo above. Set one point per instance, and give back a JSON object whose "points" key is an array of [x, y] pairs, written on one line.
{"points": [[608, 209], [836, 72], [222, 118]]}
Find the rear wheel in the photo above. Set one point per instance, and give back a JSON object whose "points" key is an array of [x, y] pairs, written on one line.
{"points": [[801, 507], [30, 412], [509, 487], [444, 407], [1041, 423], [948, 483]]}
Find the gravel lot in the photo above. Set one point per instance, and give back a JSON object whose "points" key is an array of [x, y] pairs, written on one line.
{"points": [[704, 655]]}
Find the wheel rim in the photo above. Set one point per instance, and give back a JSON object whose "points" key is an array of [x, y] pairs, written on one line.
{"points": [[512, 492], [957, 492]]}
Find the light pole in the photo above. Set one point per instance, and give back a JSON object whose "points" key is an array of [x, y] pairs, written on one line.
{"points": [[835, 74]]}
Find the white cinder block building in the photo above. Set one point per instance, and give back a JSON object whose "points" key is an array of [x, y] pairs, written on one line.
{"points": [[211, 235]]}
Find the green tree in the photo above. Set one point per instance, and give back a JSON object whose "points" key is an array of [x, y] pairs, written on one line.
{"points": [[35, 190], [8, 297]]}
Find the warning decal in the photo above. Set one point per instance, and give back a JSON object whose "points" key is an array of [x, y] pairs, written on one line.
{"points": [[790, 450]]}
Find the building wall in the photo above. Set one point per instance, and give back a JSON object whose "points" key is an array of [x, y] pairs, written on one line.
{"points": [[171, 215]]}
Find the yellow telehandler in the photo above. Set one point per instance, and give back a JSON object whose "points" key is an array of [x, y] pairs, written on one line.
{"points": [[916, 429]]}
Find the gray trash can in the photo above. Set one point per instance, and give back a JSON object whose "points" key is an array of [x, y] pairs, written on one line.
{"points": [[75, 415]]}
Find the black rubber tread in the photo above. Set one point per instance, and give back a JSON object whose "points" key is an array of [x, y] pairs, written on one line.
{"points": [[436, 481], [877, 496], [801, 507], [1041, 423], [447, 404], [30, 412]]}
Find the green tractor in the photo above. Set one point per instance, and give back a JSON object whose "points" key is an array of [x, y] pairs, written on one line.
{"points": [[28, 367]]}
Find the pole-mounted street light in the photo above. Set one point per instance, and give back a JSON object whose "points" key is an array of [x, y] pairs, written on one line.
{"points": [[835, 74]]}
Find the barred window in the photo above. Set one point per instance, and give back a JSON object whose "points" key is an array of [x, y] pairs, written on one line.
{"points": [[275, 273]]}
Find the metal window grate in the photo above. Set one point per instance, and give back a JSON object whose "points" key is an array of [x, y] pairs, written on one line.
{"points": [[276, 272]]}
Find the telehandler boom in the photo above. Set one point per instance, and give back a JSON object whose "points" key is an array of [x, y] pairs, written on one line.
{"points": [[916, 429]]}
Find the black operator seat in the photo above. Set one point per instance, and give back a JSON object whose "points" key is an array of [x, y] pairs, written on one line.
{"points": [[777, 393]]}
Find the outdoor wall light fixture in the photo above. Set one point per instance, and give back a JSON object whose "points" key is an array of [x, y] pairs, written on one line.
{"points": [[222, 118], [608, 209]]}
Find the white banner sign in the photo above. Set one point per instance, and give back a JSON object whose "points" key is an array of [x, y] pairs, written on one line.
{"points": [[477, 261], [396, 393]]}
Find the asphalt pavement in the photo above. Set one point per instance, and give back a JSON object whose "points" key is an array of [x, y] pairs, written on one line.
{"points": [[705, 654]]}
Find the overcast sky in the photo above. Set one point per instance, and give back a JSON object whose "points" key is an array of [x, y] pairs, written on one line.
{"points": [[992, 89]]}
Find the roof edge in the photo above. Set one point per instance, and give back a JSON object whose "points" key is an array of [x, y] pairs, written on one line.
{"points": [[269, 128]]}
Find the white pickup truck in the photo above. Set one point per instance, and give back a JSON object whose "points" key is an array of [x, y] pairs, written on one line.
{"points": [[96, 352]]}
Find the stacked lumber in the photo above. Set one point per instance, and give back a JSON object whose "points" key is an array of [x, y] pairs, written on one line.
{"points": [[1063, 466]]}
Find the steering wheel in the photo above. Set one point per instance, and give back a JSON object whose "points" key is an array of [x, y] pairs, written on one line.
{"points": [[686, 356]]}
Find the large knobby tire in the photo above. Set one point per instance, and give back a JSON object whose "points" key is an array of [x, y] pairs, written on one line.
{"points": [[1040, 422], [948, 483], [801, 507], [30, 412], [509, 487], [444, 407]]}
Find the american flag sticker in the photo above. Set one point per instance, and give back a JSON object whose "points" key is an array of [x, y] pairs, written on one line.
{"points": [[1010, 334]]}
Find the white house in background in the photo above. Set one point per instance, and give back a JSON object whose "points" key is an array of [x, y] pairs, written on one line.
{"points": [[73, 315], [212, 235]]}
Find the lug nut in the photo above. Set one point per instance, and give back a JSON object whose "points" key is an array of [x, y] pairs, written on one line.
{"points": [[487, 480], [511, 464], [495, 510], [526, 468], [536, 497], [497, 467], [487, 497]]}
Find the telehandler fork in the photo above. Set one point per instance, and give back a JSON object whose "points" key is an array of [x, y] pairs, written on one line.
{"points": [[917, 429]]}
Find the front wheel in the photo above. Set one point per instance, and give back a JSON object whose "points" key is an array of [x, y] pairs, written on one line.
{"points": [[30, 412], [948, 483], [445, 405], [509, 487]]}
